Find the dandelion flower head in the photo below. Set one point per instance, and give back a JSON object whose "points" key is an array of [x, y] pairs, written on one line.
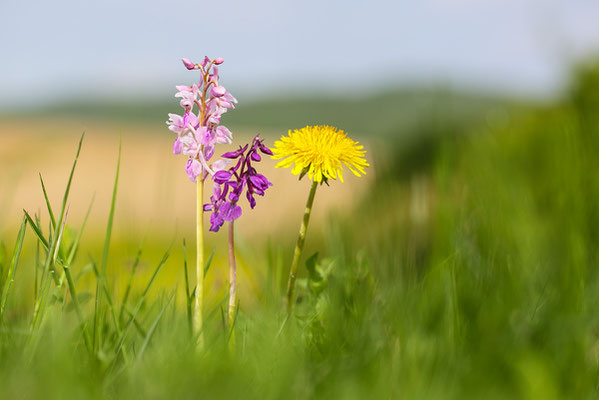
{"points": [[320, 151]]}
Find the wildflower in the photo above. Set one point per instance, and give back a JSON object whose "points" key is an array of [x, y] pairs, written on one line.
{"points": [[230, 184], [197, 134], [319, 151], [188, 64]]}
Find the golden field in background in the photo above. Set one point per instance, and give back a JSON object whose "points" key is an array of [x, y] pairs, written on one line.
{"points": [[154, 191]]}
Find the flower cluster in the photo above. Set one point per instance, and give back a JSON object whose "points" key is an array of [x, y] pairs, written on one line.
{"points": [[230, 184], [320, 151], [198, 132]]}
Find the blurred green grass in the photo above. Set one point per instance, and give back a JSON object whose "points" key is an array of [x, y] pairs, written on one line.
{"points": [[468, 270]]}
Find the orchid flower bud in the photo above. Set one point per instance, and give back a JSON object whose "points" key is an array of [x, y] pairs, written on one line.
{"points": [[218, 91], [188, 64]]}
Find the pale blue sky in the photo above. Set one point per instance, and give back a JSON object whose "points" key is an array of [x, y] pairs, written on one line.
{"points": [[127, 49]]}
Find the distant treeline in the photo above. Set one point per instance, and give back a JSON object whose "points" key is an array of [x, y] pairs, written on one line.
{"points": [[393, 113]]}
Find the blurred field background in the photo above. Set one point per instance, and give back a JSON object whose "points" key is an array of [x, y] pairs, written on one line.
{"points": [[463, 265]]}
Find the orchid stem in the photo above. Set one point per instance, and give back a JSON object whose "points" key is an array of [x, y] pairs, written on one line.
{"points": [[232, 284], [199, 291], [299, 247]]}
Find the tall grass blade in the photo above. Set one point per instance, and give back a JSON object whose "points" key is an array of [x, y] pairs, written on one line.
{"points": [[104, 261], [75, 245], [153, 328], [188, 297], [48, 203], [36, 230], [54, 245], [106, 291], [75, 299], [102, 283], [140, 329], [13, 267], [209, 262], [140, 303], [111, 214], [37, 268], [42, 301], [131, 276], [97, 309]]}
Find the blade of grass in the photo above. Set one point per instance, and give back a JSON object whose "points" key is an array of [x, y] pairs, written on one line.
{"points": [[131, 276], [140, 303], [231, 335], [75, 246], [111, 214], [106, 292], [97, 308], [13, 267], [75, 299], [100, 279], [42, 301], [153, 328], [48, 203], [104, 261], [2, 261], [54, 246], [187, 294], [36, 230], [136, 323], [39, 234], [37, 267], [207, 266]]}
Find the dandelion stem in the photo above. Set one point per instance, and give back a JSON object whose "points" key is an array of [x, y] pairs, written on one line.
{"points": [[232, 283], [299, 247], [199, 292]]}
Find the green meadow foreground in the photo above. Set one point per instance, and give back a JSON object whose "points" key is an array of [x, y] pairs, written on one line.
{"points": [[465, 266]]}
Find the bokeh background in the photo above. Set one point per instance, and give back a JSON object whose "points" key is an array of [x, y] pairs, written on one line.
{"points": [[382, 71], [477, 217]]}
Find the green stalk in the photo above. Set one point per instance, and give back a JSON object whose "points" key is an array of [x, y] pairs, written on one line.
{"points": [[299, 247], [199, 292], [232, 284]]}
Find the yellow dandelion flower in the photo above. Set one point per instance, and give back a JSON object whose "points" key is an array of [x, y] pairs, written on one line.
{"points": [[321, 151]]}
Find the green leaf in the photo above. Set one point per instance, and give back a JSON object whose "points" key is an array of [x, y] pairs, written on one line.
{"points": [[131, 276], [13, 267], [304, 172], [36, 230], [207, 266], [104, 261], [82, 298], [123, 335], [52, 219], [111, 214], [2, 260], [188, 297], [153, 328]]}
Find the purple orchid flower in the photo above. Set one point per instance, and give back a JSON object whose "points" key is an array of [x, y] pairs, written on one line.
{"points": [[197, 136], [230, 184]]}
